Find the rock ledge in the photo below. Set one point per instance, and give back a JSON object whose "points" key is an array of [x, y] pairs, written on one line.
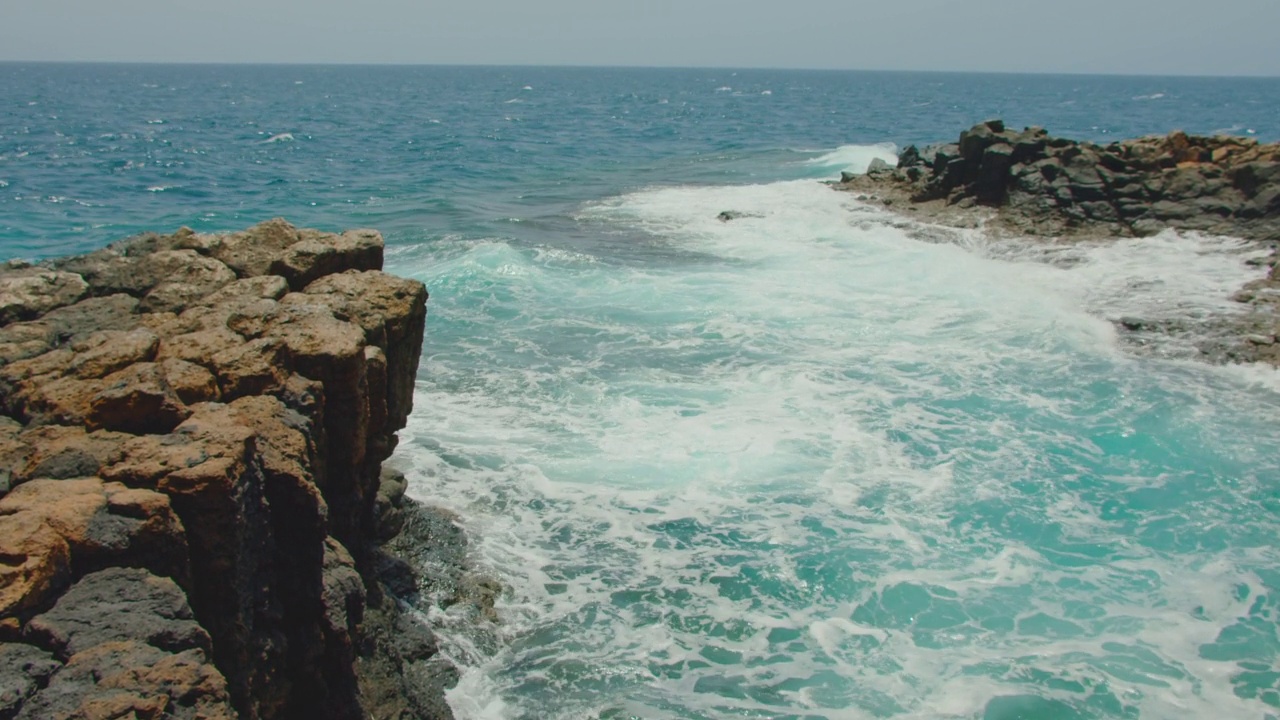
{"points": [[192, 429]]}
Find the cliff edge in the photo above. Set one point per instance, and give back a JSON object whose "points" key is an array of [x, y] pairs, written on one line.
{"points": [[192, 503]]}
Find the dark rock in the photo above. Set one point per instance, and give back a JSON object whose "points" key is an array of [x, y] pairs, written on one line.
{"points": [[992, 180], [133, 680], [974, 141], [115, 605], [24, 669], [877, 165]]}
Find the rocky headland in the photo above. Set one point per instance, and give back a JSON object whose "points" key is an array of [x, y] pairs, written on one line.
{"points": [[1028, 183], [194, 517]]}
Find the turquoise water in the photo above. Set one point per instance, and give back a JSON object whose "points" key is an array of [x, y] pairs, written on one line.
{"points": [[817, 462]]}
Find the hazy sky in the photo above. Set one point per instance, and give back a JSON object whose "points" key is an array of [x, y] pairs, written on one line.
{"points": [[1219, 37]]}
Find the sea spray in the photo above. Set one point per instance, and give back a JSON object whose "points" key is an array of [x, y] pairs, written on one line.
{"points": [[800, 464]]}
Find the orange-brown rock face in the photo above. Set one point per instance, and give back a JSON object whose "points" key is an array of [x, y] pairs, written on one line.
{"points": [[210, 412]]}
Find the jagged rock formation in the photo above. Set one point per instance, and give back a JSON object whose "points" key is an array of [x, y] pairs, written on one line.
{"points": [[191, 435], [1035, 184], [1222, 185]]}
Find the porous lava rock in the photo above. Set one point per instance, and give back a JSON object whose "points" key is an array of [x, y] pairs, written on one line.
{"points": [[192, 430]]}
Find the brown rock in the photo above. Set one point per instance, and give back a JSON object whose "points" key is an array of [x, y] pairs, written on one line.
{"points": [[253, 368], [53, 530], [137, 400], [21, 341], [45, 400], [251, 252], [62, 452], [193, 383], [27, 293], [194, 277], [140, 529], [103, 353], [118, 605], [91, 315], [324, 254], [392, 311], [261, 287], [198, 347], [131, 679], [35, 562], [343, 589]]}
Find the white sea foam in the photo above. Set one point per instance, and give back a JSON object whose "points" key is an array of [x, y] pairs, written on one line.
{"points": [[856, 158], [801, 463]]}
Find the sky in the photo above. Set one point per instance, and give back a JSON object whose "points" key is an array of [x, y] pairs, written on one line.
{"points": [[1160, 37]]}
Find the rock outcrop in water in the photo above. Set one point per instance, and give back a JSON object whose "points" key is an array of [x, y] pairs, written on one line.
{"points": [[1220, 185], [1038, 185], [192, 429]]}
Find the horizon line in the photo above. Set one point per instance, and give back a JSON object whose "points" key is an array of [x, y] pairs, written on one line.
{"points": [[554, 66]]}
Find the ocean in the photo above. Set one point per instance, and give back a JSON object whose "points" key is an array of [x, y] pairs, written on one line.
{"points": [[815, 462]]}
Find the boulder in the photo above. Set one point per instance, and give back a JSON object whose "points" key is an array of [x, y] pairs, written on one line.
{"points": [[117, 605], [322, 254], [133, 680], [28, 292], [24, 669], [55, 530], [137, 399]]}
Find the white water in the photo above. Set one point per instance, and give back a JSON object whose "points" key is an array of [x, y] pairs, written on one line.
{"points": [[856, 158], [801, 465]]}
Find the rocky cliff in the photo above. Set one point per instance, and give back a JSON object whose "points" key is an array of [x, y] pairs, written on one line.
{"points": [[192, 429], [1034, 184], [1223, 185]]}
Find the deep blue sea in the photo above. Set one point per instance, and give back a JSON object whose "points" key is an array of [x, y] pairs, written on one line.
{"points": [[816, 462]]}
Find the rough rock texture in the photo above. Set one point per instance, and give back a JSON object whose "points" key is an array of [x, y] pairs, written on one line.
{"points": [[192, 429], [422, 563], [1039, 185]]}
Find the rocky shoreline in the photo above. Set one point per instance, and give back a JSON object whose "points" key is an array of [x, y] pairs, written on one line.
{"points": [[1030, 184], [194, 517]]}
